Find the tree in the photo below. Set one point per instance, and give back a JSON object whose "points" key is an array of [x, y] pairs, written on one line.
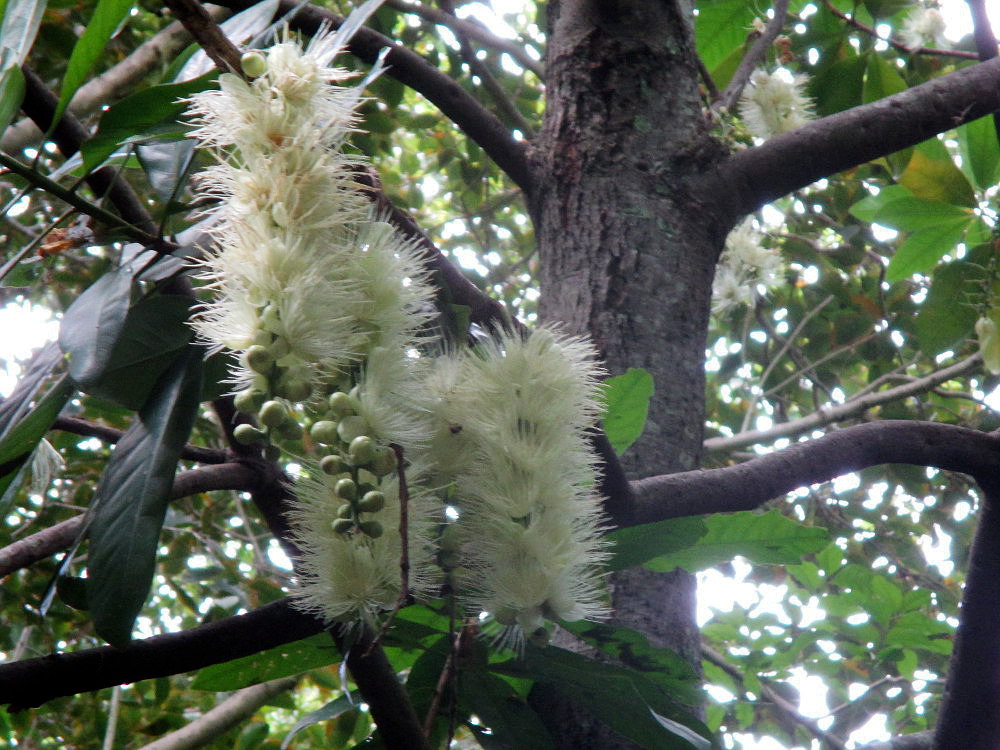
{"points": [[610, 204]]}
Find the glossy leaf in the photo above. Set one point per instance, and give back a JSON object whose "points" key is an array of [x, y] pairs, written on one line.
{"points": [[768, 538], [107, 17], [626, 405], [92, 325], [131, 499], [638, 544], [138, 114], [281, 661], [340, 705]]}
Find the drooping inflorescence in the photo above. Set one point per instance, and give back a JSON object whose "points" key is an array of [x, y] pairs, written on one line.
{"points": [[326, 308]]}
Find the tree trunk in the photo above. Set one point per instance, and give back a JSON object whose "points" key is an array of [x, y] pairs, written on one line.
{"points": [[627, 255]]}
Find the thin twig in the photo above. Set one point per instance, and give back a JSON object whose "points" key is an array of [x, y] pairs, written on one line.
{"points": [[208, 34], [896, 44], [754, 56]]}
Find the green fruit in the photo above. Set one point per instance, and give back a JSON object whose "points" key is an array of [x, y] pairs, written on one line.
{"points": [[361, 450], [384, 461], [343, 405], [258, 359], [371, 502], [272, 414], [324, 432], [342, 526], [352, 427], [346, 489], [371, 528], [247, 434], [345, 511], [293, 387], [332, 465]]}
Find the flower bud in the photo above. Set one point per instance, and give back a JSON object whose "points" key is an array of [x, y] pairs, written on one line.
{"points": [[272, 414], [372, 502], [384, 461], [248, 400], [247, 434], [258, 359], [332, 465], [253, 64], [346, 489], [343, 405], [361, 450], [372, 529], [324, 432], [345, 511], [342, 526]]}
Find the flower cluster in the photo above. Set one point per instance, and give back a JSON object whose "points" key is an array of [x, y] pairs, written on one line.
{"points": [[923, 27], [775, 103], [509, 424], [322, 301], [325, 308], [746, 269]]}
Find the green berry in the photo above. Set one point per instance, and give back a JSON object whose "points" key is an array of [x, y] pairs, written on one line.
{"points": [[342, 526], [384, 461], [293, 387], [332, 465], [361, 450], [247, 434], [351, 427], [372, 529], [258, 359], [345, 511], [272, 414], [324, 432], [342, 404], [253, 64], [291, 430], [371, 502], [346, 489]]}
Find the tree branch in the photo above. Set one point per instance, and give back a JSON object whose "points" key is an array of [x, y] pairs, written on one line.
{"points": [[31, 549], [32, 682], [238, 707], [749, 485], [986, 41], [851, 408], [481, 125], [472, 30], [190, 452], [114, 83], [749, 179], [754, 56]]}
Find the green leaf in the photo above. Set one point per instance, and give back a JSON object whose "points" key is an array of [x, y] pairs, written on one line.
{"points": [[21, 19], [947, 316], [721, 27], [637, 544], [980, 151], [881, 79], [333, 709], [117, 352], [108, 15], [622, 698], [146, 112], [11, 95], [768, 538], [166, 166], [18, 442], [839, 86], [868, 208], [626, 399], [92, 324], [513, 724], [131, 500], [911, 214], [281, 661], [921, 251], [932, 175]]}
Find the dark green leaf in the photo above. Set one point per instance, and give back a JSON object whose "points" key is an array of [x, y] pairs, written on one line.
{"points": [[91, 326], [637, 544], [948, 314], [137, 115], [281, 661], [11, 95], [18, 442], [513, 724], [107, 17], [166, 166], [131, 499], [626, 399], [72, 591], [769, 538], [980, 151]]}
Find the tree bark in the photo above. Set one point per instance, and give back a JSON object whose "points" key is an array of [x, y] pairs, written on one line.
{"points": [[627, 255]]}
